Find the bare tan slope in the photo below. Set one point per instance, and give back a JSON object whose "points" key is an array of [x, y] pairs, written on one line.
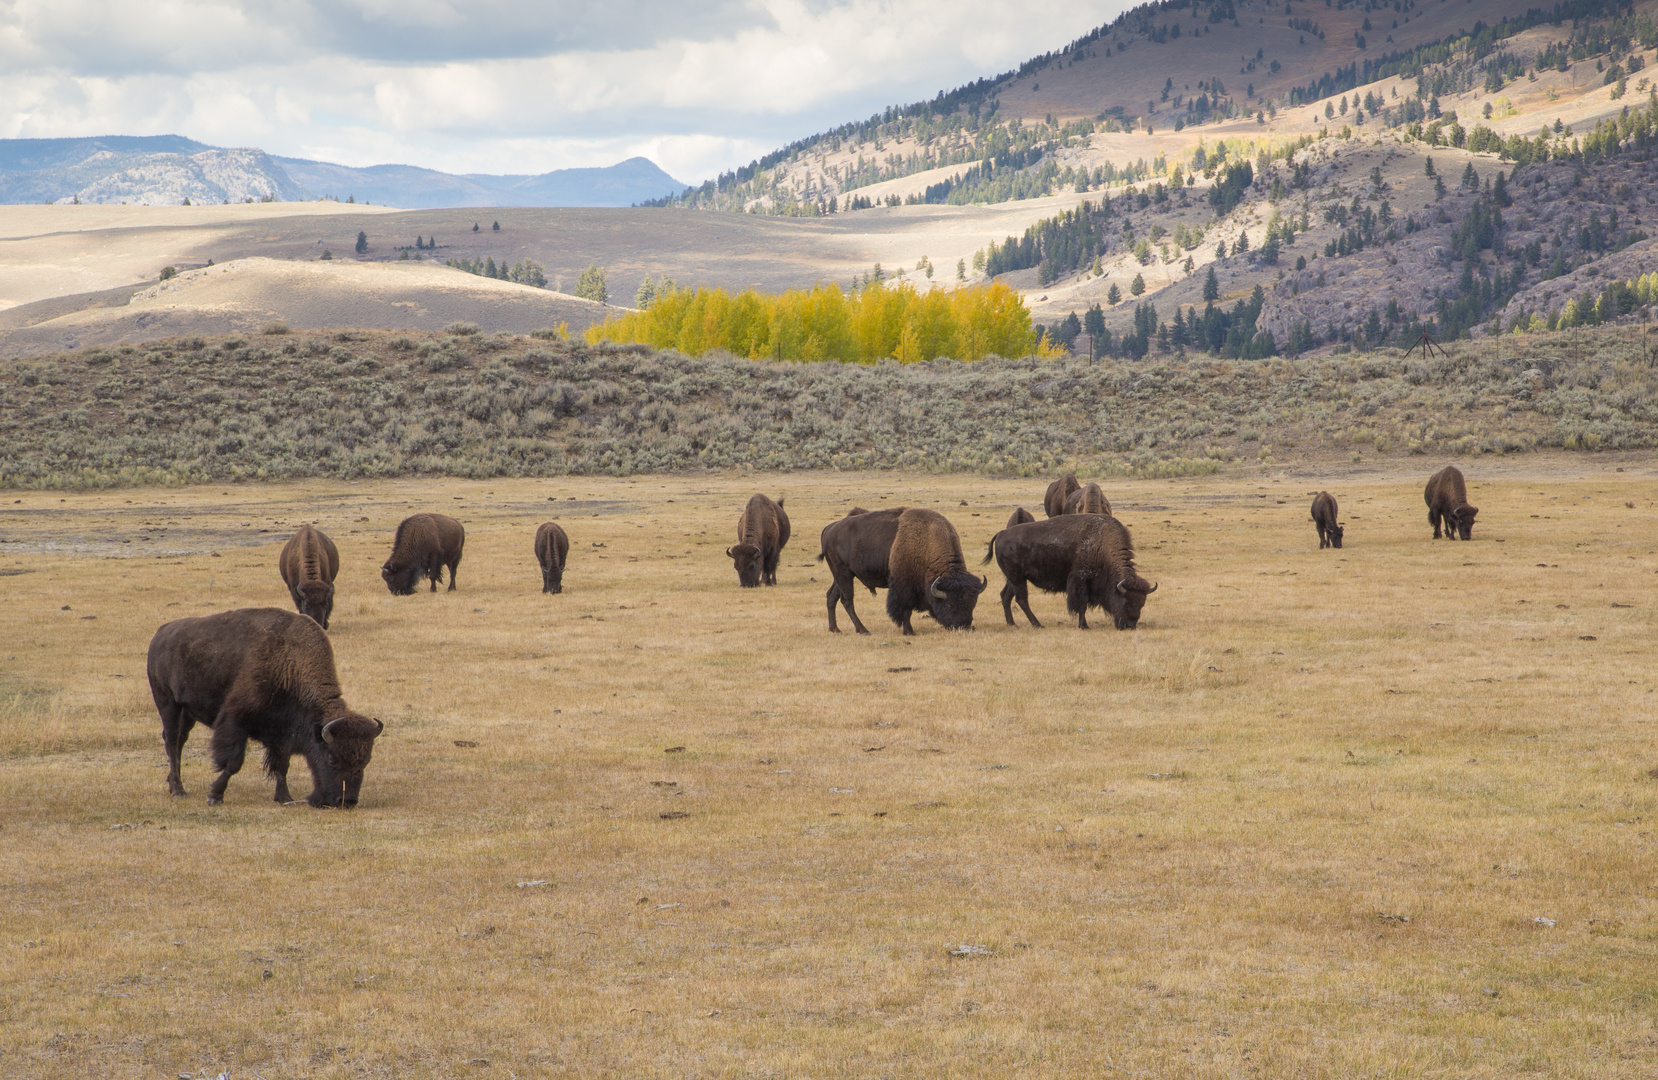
{"points": [[245, 295]]}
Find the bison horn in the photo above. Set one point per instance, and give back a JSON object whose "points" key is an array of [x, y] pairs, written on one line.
{"points": [[326, 737], [984, 583], [1152, 589], [936, 591], [378, 726], [728, 554]]}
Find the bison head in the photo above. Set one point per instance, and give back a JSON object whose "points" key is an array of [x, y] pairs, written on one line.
{"points": [[1128, 599], [1463, 518], [347, 742], [748, 560], [400, 579], [1334, 533], [951, 598], [316, 599]]}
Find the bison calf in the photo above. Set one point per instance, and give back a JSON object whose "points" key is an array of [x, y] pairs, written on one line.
{"points": [[308, 564], [1020, 516], [1324, 520], [1088, 557], [1447, 499], [551, 549], [762, 531], [1058, 491], [267, 675], [423, 545]]}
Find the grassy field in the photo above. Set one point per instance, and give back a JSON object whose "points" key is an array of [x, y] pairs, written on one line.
{"points": [[1308, 820]]}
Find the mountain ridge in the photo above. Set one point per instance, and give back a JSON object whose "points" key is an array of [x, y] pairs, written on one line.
{"points": [[167, 169]]}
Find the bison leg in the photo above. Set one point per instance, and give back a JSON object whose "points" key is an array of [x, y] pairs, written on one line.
{"points": [[1008, 593], [1023, 596], [176, 723], [833, 597], [230, 747], [846, 587], [277, 764], [453, 566], [1433, 519]]}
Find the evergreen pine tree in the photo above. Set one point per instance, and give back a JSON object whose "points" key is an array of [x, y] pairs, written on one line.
{"points": [[496, 227], [592, 286], [647, 292], [1211, 286], [1114, 295], [1138, 285], [362, 243]]}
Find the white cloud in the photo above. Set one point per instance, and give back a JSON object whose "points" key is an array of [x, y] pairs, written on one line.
{"points": [[499, 85]]}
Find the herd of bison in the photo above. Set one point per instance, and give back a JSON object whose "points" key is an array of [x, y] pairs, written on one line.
{"points": [[268, 675]]}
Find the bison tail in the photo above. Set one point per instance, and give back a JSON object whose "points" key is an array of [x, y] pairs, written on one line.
{"points": [[821, 555]]}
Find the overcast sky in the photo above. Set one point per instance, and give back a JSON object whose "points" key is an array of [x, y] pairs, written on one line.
{"points": [[502, 85]]}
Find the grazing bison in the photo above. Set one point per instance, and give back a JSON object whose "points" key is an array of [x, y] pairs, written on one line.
{"points": [[1324, 520], [926, 572], [1020, 517], [263, 674], [1447, 499], [423, 544], [309, 564], [1088, 499], [762, 530], [1088, 557], [857, 548], [1058, 491], [552, 548]]}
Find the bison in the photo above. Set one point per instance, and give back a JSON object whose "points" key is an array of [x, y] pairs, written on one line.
{"points": [[263, 674], [1088, 557], [926, 572], [423, 544], [1324, 520], [1058, 491], [309, 563], [857, 548], [1088, 499], [552, 548], [1020, 516], [762, 531], [1447, 499]]}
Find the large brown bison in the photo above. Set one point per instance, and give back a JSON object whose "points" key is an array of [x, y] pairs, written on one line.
{"points": [[1088, 557], [926, 572], [857, 548], [1019, 517], [263, 674], [1088, 499], [762, 531], [423, 545], [1447, 499], [309, 563], [1324, 520], [552, 548], [1058, 491]]}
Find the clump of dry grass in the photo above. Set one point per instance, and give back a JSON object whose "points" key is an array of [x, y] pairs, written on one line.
{"points": [[1301, 822], [363, 404]]}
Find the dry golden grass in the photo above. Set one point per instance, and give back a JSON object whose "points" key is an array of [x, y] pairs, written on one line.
{"points": [[1189, 851]]}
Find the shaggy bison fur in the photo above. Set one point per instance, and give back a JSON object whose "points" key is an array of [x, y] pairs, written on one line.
{"points": [[1088, 557], [1447, 499], [762, 530], [1324, 520], [423, 545], [309, 563], [552, 548], [926, 572], [263, 674], [1058, 491], [1088, 499]]}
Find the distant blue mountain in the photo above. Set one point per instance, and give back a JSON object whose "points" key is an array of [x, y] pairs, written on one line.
{"points": [[166, 169]]}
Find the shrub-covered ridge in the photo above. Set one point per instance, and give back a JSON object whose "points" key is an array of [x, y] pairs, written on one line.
{"points": [[361, 404]]}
